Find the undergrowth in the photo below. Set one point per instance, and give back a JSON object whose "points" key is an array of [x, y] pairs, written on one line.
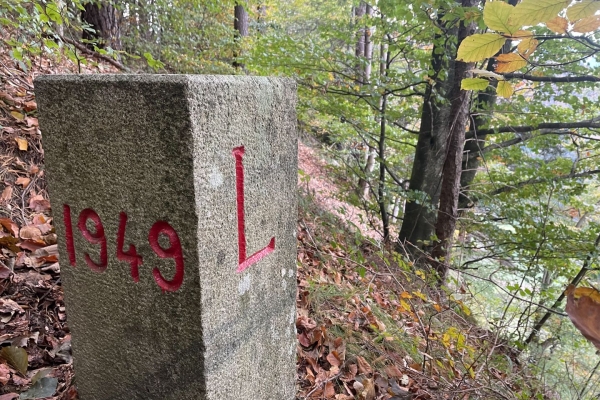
{"points": [[371, 326]]}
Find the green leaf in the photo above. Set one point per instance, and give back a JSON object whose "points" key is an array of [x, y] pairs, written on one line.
{"points": [[480, 46], [586, 8], [532, 12], [474, 84], [54, 13], [16, 356], [496, 16], [156, 64]]}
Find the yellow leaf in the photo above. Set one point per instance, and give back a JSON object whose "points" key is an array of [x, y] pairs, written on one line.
{"points": [[405, 305], [437, 307], [522, 34], [510, 62], [585, 9], [588, 24], [420, 295], [505, 89], [471, 372], [17, 115], [532, 12], [446, 340], [420, 274], [474, 84], [406, 295], [558, 25], [496, 16], [22, 143], [527, 46], [480, 46]]}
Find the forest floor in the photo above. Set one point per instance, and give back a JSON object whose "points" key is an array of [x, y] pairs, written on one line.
{"points": [[369, 324]]}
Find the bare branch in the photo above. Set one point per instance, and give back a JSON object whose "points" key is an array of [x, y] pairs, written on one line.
{"points": [[553, 79], [592, 123]]}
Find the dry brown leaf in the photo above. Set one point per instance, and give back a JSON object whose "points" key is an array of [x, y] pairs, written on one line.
{"points": [[393, 372], [5, 272], [6, 194], [363, 366], [10, 226], [334, 359], [368, 390], [23, 181], [38, 203], [583, 308], [30, 232], [30, 106]]}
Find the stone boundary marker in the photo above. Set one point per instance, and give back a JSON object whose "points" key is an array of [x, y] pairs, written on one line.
{"points": [[174, 200]]}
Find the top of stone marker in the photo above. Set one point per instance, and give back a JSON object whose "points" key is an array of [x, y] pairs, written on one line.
{"points": [[174, 78]]}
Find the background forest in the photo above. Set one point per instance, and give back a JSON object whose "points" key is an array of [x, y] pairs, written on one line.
{"points": [[467, 132]]}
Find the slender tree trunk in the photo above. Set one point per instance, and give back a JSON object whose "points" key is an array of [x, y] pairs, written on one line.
{"points": [[103, 18], [359, 51], [240, 25], [448, 209], [483, 108], [364, 48], [368, 47], [381, 189], [363, 182]]}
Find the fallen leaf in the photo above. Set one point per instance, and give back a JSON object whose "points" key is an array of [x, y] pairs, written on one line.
{"points": [[4, 375], [30, 106], [44, 387], [16, 356], [30, 232], [5, 272], [10, 226], [363, 366], [393, 372], [17, 115], [334, 359], [22, 143], [6, 194], [9, 396], [31, 121], [38, 203], [23, 181]]}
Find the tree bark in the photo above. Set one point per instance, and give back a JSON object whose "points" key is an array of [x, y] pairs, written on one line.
{"points": [[451, 173], [240, 25], [103, 18], [420, 216]]}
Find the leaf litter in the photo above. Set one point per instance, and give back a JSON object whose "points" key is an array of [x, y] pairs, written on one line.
{"points": [[35, 341]]}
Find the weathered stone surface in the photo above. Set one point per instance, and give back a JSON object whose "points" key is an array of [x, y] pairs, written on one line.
{"points": [[160, 148]]}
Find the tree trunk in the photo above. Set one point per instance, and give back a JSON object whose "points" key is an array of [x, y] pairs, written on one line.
{"points": [[419, 217], [363, 182], [483, 107], [364, 48], [103, 18], [448, 209], [240, 25]]}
